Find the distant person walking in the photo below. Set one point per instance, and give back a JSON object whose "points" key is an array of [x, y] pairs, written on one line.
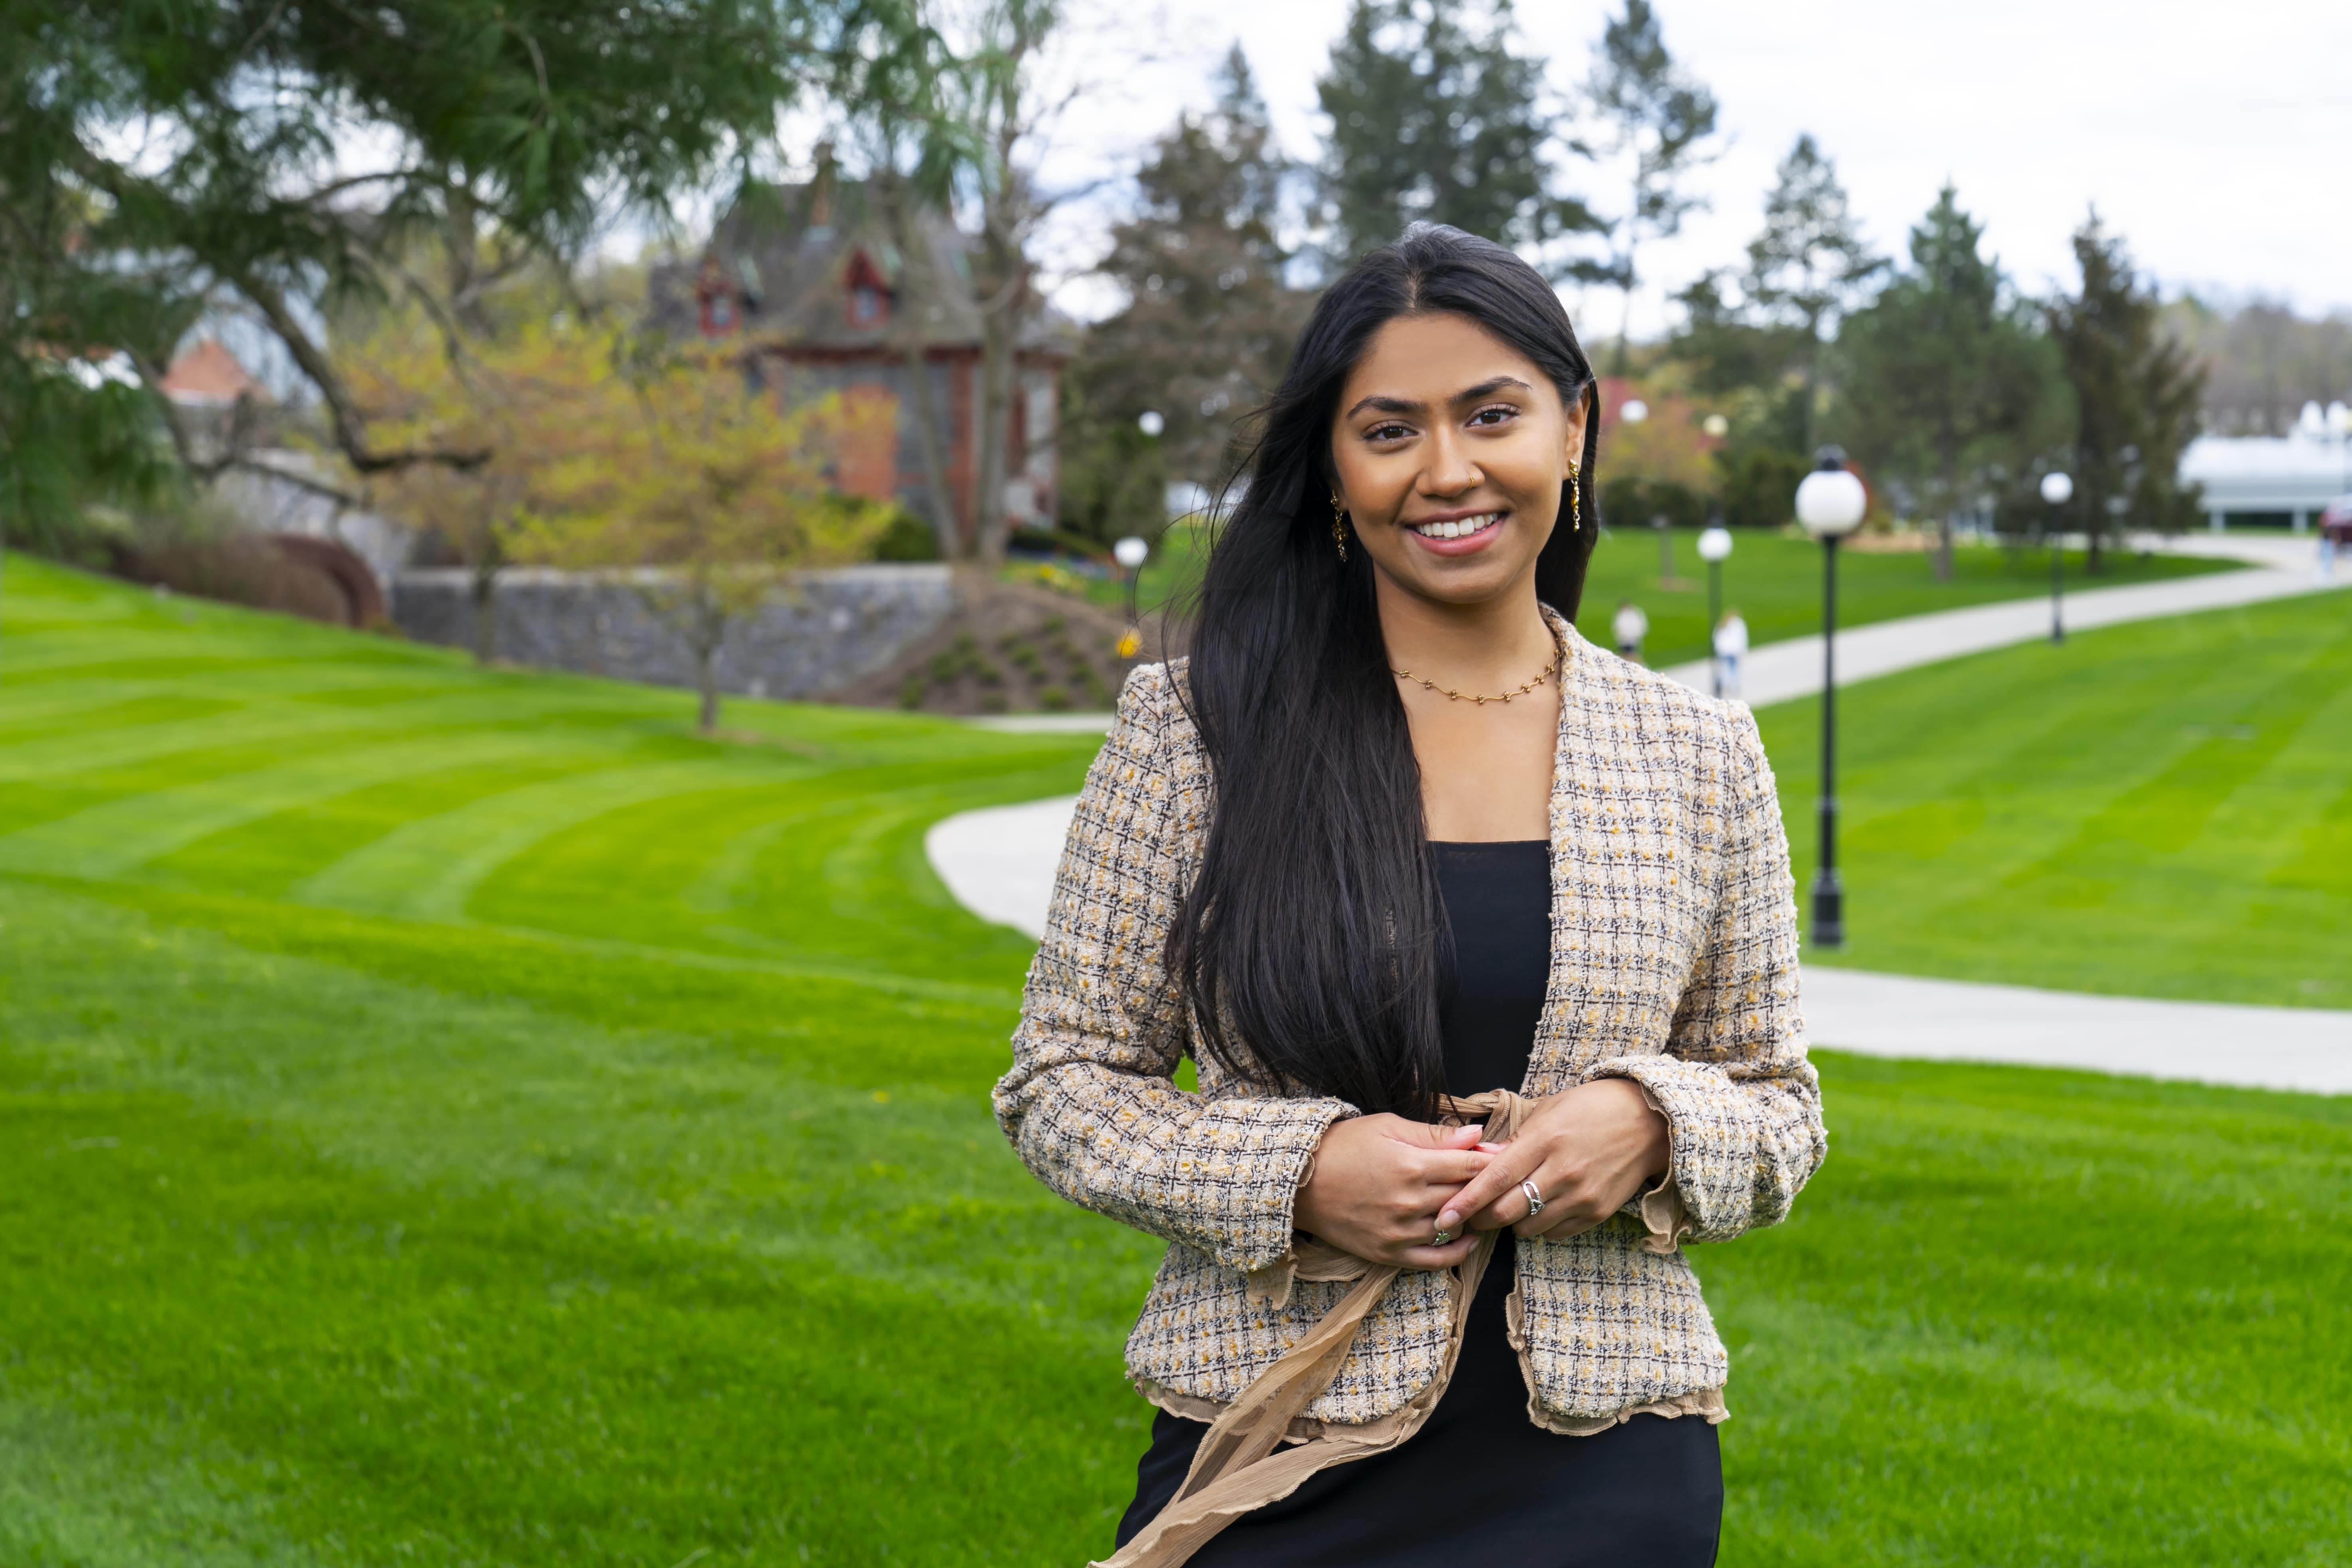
{"points": [[1730, 650], [2335, 533], [1630, 626]]}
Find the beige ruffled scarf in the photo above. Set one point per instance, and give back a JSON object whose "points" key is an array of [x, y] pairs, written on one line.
{"points": [[1238, 1468]]}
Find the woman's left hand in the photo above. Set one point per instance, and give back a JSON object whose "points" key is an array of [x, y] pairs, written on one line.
{"points": [[1586, 1150]]}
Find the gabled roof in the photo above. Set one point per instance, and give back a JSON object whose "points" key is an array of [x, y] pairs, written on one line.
{"points": [[788, 255], [207, 374]]}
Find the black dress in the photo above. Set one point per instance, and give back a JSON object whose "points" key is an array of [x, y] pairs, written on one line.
{"points": [[1480, 1478]]}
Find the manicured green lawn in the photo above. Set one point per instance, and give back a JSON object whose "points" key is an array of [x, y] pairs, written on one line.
{"points": [[451, 1117], [1774, 580], [2159, 809]]}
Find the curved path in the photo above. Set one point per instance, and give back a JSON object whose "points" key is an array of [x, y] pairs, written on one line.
{"points": [[999, 864]]}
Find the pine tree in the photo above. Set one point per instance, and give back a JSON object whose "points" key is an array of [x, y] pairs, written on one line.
{"points": [[2137, 393], [1765, 326], [1436, 117], [1950, 388], [1662, 118], [1209, 322]]}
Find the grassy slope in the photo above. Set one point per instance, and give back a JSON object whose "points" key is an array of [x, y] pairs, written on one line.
{"points": [[2159, 809], [1774, 580], [458, 1118]]}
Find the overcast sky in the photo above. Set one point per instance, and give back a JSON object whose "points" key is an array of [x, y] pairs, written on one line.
{"points": [[2217, 139]]}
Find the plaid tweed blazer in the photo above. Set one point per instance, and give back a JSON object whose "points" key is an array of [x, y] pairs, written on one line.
{"points": [[1674, 962]]}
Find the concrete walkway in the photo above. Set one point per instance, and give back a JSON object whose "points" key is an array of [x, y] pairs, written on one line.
{"points": [[1781, 671], [999, 864]]}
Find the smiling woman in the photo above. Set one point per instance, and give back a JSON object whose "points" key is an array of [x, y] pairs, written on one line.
{"points": [[1482, 942]]}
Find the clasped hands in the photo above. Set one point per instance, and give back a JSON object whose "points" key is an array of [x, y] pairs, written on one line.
{"points": [[1383, 1186]]}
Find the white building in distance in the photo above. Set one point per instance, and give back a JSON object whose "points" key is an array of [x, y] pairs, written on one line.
{"points": [[2294, 476]]}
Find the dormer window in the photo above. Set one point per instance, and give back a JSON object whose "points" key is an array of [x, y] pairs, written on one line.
{"points": [[869, 292]]}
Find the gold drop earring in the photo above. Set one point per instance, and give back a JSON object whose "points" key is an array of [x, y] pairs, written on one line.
{"points": [[1575, 498], [1338, 526]]}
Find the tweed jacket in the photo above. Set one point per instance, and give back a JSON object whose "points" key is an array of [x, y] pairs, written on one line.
{"points": [[1674, 964]]}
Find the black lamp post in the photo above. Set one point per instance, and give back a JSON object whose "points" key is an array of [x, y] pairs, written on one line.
{"points": [[2057, 489], [1830, 504]]}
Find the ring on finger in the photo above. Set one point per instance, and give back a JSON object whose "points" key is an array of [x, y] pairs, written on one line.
{"points": [[1441, 1238], [1535, 1198]]}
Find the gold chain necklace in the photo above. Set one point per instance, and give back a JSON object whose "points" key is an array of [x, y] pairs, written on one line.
{"points": [[1453, 696]]}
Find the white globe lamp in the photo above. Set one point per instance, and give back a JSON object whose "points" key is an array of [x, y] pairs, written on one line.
{"points": [[1830, 503], [1131, 553], [1715, 545], [2057, 489], [1632, 411], [1151, 422]]}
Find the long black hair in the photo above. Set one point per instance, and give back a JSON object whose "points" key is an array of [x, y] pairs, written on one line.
{"points": [[1309, 944]]}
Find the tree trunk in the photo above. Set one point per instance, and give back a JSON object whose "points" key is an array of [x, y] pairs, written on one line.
{"points": [[485, 610], [1000, 339], [710, 625], [1951, 504], [914, 312], [705, 680]]}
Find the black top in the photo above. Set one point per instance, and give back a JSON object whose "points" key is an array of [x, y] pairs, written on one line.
{"points": [[1479, 1480]]}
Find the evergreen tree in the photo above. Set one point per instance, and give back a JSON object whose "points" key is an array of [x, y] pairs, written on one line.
{"points": [[1659, 116], [1209, 322], [1436, 117], [1764, 327], [1950, 388], [2136, 394]]}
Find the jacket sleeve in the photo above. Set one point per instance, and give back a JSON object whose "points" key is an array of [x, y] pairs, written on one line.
{"points": [[1090, 1103], [1742, 1103]]}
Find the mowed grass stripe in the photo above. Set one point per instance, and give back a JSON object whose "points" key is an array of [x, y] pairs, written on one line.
{"points": [[2133, 812], [427, 868], [111, 838]]}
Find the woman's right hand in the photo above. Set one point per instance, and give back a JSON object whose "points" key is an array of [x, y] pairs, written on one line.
{"points": [[1378, 1185]]}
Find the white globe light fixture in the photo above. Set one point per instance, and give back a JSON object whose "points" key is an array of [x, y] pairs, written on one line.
{"points": [[1151, 422], [1131, 553], [1715, 549], [1716, 425], [1632, 411], [2057, 489], [1830, 502]]}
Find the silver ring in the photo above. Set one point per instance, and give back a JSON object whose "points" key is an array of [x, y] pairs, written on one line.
{"points": [[1441, 1238], [1535, 1198]]}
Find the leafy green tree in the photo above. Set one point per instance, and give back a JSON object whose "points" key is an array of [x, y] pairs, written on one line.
{"points": [[1657, 115], [278, 161], [2136, 395], [1437, 118], [1949, 387], [1209, 322]]}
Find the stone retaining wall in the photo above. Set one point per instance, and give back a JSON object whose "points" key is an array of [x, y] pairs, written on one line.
{"points": [[813, 638]]}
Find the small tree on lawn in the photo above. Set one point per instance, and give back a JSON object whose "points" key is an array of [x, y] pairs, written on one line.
{"points": [[702, 494], [510, 395]]}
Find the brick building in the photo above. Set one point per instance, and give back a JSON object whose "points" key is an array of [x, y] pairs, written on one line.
{"points": [[806, 278]]}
